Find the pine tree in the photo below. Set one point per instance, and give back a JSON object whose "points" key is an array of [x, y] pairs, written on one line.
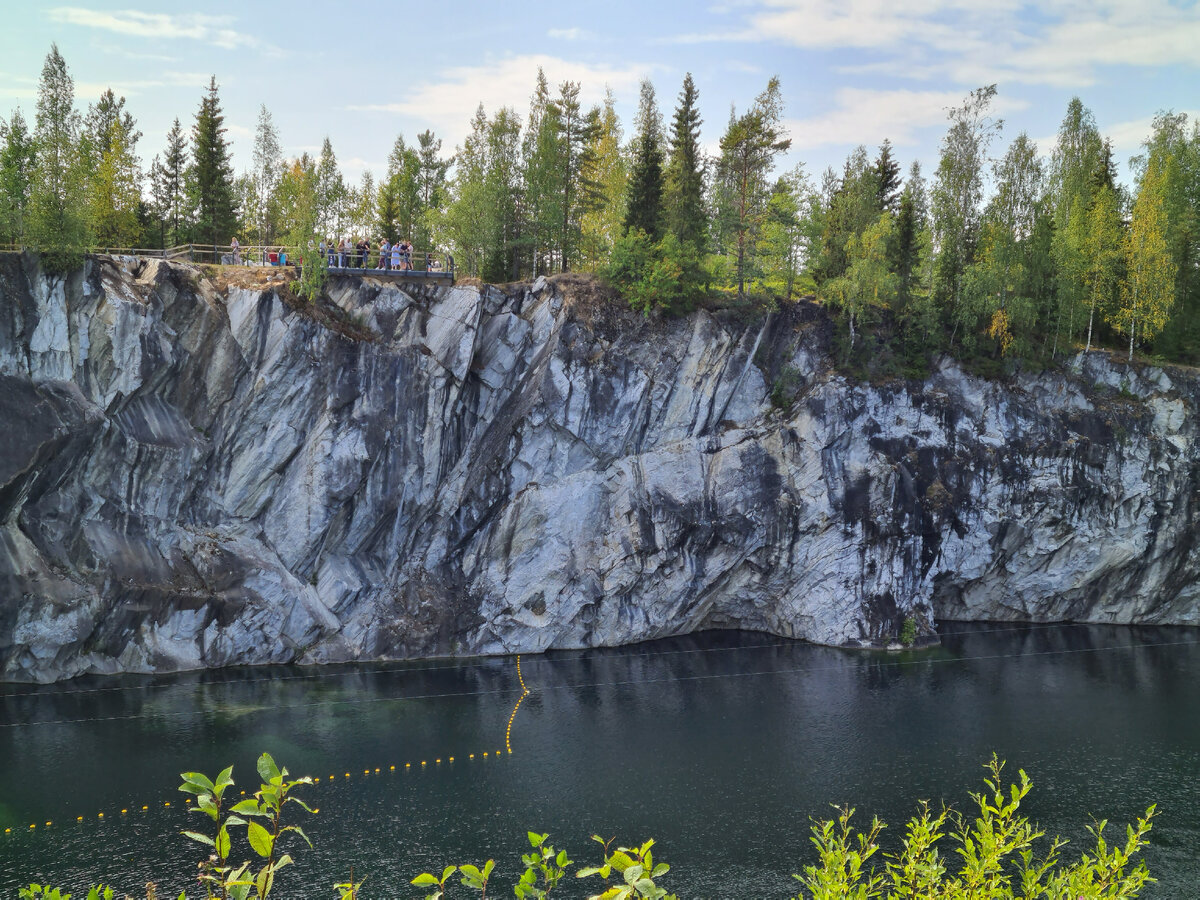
{"points": [[17, 158], [644, 198], [56, 220], [683, 192], [748, 150], [210, 176]]}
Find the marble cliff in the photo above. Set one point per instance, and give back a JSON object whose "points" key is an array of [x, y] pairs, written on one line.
{"points": [[198, 474]]}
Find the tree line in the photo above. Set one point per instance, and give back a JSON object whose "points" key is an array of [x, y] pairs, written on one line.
{"points": [[1016, 255]]}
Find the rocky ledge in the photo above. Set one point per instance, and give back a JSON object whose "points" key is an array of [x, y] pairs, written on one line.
{"points": [[198, 474]]}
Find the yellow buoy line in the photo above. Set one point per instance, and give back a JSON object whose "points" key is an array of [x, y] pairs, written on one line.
{"points": [[423, 764]]}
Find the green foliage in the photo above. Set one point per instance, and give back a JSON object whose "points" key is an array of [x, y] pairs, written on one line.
{"points": [[748, 150], [18, 155], [220, 876], [57, 226], [683, 187], [637, 869], [209, 178], [908, 631], [783, 389], [644, 200], [665, 275], [996, 850]]}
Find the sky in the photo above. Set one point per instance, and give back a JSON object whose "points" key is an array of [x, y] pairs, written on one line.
{"points": [[851, 71]]}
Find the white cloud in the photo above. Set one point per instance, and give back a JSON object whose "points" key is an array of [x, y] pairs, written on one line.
{"points": [[216, 30], [1060, 43], [868, 116], [448, 103], [567, 34], [1127, 137]]}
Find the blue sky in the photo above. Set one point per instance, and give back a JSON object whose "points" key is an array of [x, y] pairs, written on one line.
{"points": [[852, 71]]}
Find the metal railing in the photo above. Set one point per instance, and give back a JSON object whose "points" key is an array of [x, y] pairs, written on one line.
{"points": [[418, 264]]}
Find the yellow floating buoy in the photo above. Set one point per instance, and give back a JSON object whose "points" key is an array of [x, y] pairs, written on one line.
{"points": [[48, 824], [144, 808], [7, 830], [367, 771], [99, 815], [422, 762], [33, 825], [438, 761], [408, 765], [124, 811], [472, 756], [168, 803], [485, 754], [347, 774], [393, 768], [79, 818], [452, 759]]}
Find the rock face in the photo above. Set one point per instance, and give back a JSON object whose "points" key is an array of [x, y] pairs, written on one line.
{"points": [[194, 475]]}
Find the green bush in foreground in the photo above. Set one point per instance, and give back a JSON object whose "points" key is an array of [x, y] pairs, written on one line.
{"points": [[993, 855]]}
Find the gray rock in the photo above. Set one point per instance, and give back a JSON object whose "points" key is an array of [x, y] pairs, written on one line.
{"points": [[193, 476]]}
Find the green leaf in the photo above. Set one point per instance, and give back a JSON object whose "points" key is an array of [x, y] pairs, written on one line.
{"points": [[265, 881], [535, 839], [222, 843], [198, 780], [267, 769], [447, 872], [285, 860], [303, 805], [248, 807], [424, 880], [261, 840], [661, 869], [197, 836]]}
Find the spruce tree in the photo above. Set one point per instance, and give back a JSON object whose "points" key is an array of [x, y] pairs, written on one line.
{"points": [[210, 176], [174, 175], [887, 177], [56, 219], [683, 195], [644, 198]]}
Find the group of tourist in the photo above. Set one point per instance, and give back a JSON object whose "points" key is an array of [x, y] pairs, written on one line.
{"points": [[396, 256], [357, 255]]}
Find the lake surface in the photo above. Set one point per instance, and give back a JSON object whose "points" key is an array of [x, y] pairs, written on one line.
{"points": [[720, 746]]}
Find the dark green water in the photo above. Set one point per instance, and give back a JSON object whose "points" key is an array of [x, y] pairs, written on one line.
{"points": [[721, 747]]}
